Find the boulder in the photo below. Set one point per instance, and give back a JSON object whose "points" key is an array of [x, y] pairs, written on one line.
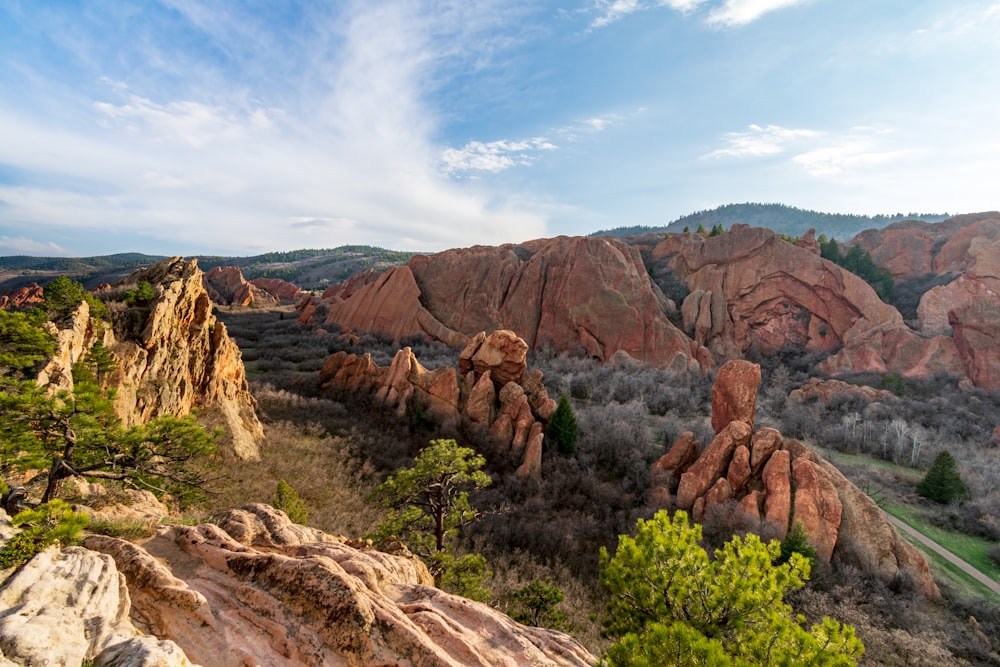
{"points": [[675, 462], [739, 470], [765, 442], [976, 324], [824, 391], [501, 353], [734, 394]]}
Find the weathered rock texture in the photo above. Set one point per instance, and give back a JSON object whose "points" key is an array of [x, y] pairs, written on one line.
{"points": [[775, 482], [817, 389], [258, 590], [227, 286], [574, 294], [70, 605], [278, 288], [734, 394], [22, 297], [173, 356], [492, 389]]}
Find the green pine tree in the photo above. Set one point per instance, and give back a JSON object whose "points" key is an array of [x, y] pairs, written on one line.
{"points": [[562, 430], [943, 483], [287, 500]]}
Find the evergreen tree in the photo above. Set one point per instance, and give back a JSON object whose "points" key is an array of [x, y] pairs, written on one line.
{"points": [[535, 604], [562, 430], [287, 500], [671, 604], [62, 296], [943, 483]]}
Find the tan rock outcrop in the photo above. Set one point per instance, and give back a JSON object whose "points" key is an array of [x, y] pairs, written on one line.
{"points": [[734, 394], [69, 605], [573, 294], [182, 358], [272, 598], [503, 354]]}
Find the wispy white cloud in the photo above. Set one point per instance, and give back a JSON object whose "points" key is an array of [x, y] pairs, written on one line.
{"points": [[610, 11], [760, 141], [20, 245], [742, 12], [493, 156]]}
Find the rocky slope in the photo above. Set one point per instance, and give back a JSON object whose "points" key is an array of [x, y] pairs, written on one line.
{"points": [[255, 589], [585, 295], [492, 390], [768, 483], [227, 286], [21, 297]]}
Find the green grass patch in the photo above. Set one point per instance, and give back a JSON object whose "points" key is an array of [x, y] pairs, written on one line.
{"points": [[872, 463], [953, 576], [969, 548]]}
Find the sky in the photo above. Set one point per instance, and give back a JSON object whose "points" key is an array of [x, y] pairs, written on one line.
{"points": [[184, 127]]}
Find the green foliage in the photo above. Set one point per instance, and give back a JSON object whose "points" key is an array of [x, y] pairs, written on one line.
{"points": [[669, 598], [894, 383], [429, 502], [562, 430], [943, 483], [23, 343], [717, 230], [287, 500], [51, 523], [797, 542], [62, 296], [859, 261], [535, 604], [701, 229], [144, 293]]}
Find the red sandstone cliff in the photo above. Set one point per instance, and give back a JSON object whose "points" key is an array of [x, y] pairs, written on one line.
{"points": [[227, 286], [575, 294]]}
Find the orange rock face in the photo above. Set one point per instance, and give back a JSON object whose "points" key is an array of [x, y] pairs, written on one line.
{"points": [[278, 288], [574, 294], [226, 285], [734, 394]]}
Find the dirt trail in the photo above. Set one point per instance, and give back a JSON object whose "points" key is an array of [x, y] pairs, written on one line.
{"points": [[923, 539]]}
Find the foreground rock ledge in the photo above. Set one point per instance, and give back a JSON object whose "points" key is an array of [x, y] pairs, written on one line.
{"points": [[260, 590]]}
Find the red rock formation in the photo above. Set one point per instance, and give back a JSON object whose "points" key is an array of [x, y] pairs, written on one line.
{"points": [[977, 336], [259, 590], [808, 242], [734, 394], [279, 289], [22, 297], [513, 412], [752, 290], [778, 482], [227, 286], [575, 294], [817, 389]]}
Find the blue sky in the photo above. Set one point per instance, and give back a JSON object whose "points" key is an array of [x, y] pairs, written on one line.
{"points": [[183, 127]]}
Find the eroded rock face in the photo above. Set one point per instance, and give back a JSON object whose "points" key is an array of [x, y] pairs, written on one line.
{"points": [[817, 389], [749, 289], [492, 389], [274, 595], [776, 482], [183, 358], [573, 294], [280, 289], [227, 286]]}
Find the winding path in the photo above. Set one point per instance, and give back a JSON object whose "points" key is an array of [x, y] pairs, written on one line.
{"points": [[937, 548]]}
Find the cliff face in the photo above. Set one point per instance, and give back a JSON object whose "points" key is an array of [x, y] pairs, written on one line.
{"points": [[772, 482], [227, 286], [255, 589], [173, 356], [575, 294]]}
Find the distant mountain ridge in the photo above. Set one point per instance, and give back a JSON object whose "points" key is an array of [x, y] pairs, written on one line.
{"points": [[779, 218], [307, 268]]}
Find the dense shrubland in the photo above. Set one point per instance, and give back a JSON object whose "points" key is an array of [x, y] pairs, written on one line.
{"points": [[627, 416]]}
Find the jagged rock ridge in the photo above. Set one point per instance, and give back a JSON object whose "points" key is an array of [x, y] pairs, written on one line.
{"points": [[773, 482], [492, 389]]}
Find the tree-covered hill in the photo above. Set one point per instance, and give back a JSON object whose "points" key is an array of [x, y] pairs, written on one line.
{"points": [[780, 218]]}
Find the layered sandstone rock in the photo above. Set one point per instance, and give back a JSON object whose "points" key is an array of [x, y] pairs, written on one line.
{"points": [[575, 294], [775, 482], [67, 606], [227, 286], [492, 389], [281, 289], [734, 394], [818, 389], [253, 590]]}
